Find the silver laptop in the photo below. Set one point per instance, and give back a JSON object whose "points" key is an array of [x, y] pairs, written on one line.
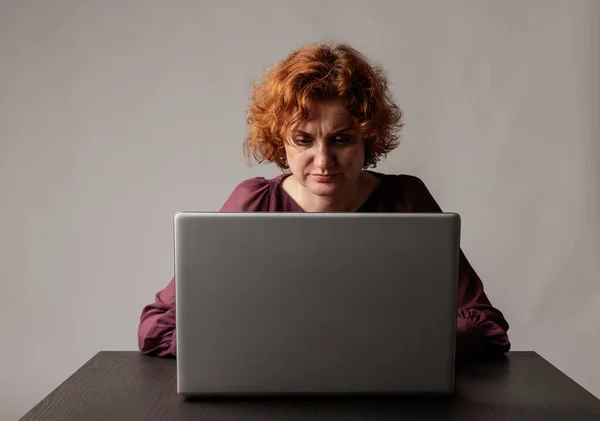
{"points": [[315, 303]]}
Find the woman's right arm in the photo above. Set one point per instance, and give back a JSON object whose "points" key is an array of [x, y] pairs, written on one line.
{"points": [[156, 332]]}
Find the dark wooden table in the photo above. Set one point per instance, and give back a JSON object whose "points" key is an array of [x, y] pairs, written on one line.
{"points": [[116, 386]]}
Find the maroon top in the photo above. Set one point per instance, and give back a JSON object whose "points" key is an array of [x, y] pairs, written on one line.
{"points": [[481, 329]]}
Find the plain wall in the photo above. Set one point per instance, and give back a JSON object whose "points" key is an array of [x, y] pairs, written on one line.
{"points": [[116, 114]]}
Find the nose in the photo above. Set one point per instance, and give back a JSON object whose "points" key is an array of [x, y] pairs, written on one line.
{"points": [[324, 156]]}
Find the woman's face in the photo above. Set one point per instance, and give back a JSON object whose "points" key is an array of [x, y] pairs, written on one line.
{"points": [[326, 152]]}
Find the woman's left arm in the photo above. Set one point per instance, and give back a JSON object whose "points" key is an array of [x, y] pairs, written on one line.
{"points": [[481, 328]]}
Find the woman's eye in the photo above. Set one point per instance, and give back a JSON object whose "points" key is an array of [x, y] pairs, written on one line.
{"points": [[342, 138], [300, 140]]}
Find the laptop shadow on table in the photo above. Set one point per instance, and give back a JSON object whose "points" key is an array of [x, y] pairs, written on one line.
{"points": [[380, 407], [435, 399]]}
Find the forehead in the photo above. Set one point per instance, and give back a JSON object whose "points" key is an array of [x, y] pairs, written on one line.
{"points": [[330, 113]]}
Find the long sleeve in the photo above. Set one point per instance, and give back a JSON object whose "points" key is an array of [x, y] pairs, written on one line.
{"points": [[156, 331], [481, 328], [252, 195]]}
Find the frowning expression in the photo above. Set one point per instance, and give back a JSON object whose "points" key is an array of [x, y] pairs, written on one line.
{"points": [[326, 152]]}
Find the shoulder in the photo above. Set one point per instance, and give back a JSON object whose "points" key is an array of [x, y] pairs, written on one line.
{"points": [[250, 195], [401, 183], [411, 191], [405, 181]]}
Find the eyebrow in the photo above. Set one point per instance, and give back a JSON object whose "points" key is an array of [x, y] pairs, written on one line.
{"points": [[333, 133]]}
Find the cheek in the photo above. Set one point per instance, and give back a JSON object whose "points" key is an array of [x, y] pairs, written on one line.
{"points": [[294, 158], [353, 158]]}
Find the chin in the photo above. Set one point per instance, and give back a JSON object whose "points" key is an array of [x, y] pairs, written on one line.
{"points": [[323, 189]]}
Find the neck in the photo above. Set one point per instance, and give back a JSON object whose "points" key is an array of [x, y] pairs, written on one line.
{"points": [[313, 203]]}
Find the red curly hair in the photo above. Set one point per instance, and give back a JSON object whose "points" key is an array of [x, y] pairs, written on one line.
{"points": [[317, 72]]}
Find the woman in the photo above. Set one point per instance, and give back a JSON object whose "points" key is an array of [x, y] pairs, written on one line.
{"points": [[324, 115]]}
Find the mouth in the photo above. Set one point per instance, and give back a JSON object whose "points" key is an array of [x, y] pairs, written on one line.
{"points": [[324, 178]]}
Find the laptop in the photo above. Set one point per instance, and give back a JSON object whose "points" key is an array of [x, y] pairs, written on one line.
{"points": [[315, 303]]}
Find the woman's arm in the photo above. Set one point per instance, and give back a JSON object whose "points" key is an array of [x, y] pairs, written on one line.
{"points": [[481, 328], [156, 332]]}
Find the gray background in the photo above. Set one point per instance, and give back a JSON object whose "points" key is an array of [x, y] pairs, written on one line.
{"points": [[116, 114]]}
